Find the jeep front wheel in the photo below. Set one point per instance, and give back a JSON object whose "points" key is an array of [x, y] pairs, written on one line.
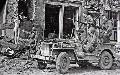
{"points": [[62, 62], [106, 60]]}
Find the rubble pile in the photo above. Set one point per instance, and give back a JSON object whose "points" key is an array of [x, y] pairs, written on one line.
{"points": [[17, 65]]}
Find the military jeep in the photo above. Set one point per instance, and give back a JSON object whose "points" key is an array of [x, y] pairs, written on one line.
{"points": [[65, 40]]}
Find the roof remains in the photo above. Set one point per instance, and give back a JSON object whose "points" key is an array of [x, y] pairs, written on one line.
{"points": [[75, 3]]}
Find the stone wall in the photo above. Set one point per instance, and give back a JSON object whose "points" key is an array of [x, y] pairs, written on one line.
{"points": [[40, 16], [11, 12]]}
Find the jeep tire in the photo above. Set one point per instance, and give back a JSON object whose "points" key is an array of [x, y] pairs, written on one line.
{"points": [[62, 62], [106, 60]]}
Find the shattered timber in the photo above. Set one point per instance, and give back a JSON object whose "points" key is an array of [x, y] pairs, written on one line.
{"points": [[61, 32]]}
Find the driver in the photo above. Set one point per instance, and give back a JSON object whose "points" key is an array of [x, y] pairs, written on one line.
{"points": [[91, 40]]}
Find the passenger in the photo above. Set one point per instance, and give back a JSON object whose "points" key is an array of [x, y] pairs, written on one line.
{"points": [[87, 21], [91, 40], [107, 27], [108, 31], [87, 18]]}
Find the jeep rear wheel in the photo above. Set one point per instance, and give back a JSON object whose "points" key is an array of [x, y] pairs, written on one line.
{"points": [[62, 62], [106, 60]]}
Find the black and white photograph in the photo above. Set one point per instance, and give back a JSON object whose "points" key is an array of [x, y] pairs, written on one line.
{"points": [[59, 37]]}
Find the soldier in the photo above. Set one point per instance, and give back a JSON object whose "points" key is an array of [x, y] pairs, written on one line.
{"points": [[108, 31], [91, 40], [87, 21], [107, 27], [87, 18]]}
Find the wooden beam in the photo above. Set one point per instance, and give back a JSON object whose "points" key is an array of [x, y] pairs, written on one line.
{"points": [[33, 17], [61, 14], [76, 19], [64, 4], [4, 17], [76, 22], [118, 27]]}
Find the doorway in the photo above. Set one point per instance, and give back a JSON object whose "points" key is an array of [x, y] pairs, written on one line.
{"points": [[51, 20], [69, 20]]}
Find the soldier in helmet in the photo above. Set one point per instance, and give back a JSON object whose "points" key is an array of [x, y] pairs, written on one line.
{"points": [[91, 41], [107, 27]]}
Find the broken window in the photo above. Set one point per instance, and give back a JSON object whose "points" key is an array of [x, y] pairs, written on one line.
{"points": [[23, 8], [68, 22], [51, 20], [24, 14]]}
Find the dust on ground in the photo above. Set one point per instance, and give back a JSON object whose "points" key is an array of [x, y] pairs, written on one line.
{"points": [[28, 67]]}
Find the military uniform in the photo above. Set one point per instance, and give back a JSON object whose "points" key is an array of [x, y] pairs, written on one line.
{"points": [[91, 40], [107, 31]]}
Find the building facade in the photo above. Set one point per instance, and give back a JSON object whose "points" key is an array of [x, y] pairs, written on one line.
{"points": [[47, 13]]}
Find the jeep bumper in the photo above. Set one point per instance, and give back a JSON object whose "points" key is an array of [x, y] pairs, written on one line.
{"points": [[44, 58]]}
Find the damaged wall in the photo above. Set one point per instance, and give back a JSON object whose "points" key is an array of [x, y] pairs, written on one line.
{"points": [[11, 12], [40, 16], [36, 11], [8, 16]]}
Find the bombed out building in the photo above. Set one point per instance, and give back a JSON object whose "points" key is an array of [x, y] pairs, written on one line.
{"points": [[47, 15], [55, 16], [13, 9], [69, 28]]}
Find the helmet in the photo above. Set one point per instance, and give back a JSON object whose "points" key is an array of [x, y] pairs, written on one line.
{"points": [[91, 30], [34, 29]]}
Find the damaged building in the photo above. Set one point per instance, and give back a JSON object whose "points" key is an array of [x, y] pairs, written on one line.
{"points": [[39, 11], [76, 30], [54, 17], [14, 9]]}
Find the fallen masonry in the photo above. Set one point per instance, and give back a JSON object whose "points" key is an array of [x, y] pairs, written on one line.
{"points": [[16, 65]]}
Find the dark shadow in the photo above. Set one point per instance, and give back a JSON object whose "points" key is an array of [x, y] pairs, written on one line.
{"points": [[2, 3]]}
